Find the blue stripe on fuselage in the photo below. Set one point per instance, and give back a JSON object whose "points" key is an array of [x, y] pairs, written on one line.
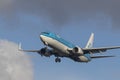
{"points": [[59, 39]]}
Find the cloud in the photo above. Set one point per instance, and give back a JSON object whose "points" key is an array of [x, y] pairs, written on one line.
{"points": [[14, 65], [60, 12]]}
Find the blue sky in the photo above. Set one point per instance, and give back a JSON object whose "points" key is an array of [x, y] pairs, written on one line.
{"points": [[77, 33], [25, 27]]}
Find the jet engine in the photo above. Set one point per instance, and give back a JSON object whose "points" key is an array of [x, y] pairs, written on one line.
{"points": [[77, 50], [45, 52], [83, 59]]}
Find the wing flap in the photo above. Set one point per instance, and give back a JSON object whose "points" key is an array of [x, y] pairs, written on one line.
{"points": [[101, 57]]}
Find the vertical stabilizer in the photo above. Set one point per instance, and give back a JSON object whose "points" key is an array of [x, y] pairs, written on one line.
{"points": [[90, 41]]}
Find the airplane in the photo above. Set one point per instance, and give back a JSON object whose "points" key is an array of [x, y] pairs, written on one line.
{"points": [[57, 46]]}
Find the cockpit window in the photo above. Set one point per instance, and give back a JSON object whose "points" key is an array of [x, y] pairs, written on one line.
{"points": [[45, 33]]}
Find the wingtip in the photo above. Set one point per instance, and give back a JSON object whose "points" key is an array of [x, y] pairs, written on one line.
{"points": [[92, 33], [19, 47]]}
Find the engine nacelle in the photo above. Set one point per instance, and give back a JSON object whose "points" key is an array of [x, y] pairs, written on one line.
{"points": [[77, 50], [83, 59], [45, 52]]}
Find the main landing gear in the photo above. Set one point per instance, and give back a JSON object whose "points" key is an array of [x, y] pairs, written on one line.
{"points": [[57, 60]]}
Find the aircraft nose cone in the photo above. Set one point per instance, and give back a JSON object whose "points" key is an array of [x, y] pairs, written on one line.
{"points": [[41, 37]]}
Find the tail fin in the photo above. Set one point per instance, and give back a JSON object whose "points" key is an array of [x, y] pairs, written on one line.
{"points": [[90, 41]]}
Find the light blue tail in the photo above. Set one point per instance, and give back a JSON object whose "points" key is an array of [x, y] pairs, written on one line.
{"points": [[90, 41]]}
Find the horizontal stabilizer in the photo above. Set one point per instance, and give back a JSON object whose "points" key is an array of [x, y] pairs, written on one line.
{"points": [[101, 56]]}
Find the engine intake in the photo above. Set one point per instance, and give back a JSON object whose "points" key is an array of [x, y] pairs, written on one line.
{"points": [[45, 52], [77, 50]]}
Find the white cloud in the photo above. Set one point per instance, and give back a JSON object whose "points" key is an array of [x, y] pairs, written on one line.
{"points": [[14, 65]]}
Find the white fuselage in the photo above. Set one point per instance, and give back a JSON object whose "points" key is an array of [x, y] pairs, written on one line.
{"points": [[60, 48]]}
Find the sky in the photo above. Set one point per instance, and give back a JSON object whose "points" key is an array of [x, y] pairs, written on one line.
{"points": [[74, 20]]}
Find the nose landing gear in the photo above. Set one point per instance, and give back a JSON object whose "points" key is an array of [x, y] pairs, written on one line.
{"points": [[57, 60]]}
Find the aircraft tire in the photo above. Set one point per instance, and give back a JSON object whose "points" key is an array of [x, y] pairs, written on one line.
{"points": [[57, 60]]}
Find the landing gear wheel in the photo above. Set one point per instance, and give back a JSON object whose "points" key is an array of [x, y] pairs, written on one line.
{"points": [[58, 60]]}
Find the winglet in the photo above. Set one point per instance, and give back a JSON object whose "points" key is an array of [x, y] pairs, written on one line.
{"points": [[90, 41], [19, 47]]}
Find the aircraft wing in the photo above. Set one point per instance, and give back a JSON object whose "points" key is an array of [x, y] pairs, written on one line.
{"points": [[29, 50], [98, 50], [43, 51], [95, 57], [20, 49]]}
